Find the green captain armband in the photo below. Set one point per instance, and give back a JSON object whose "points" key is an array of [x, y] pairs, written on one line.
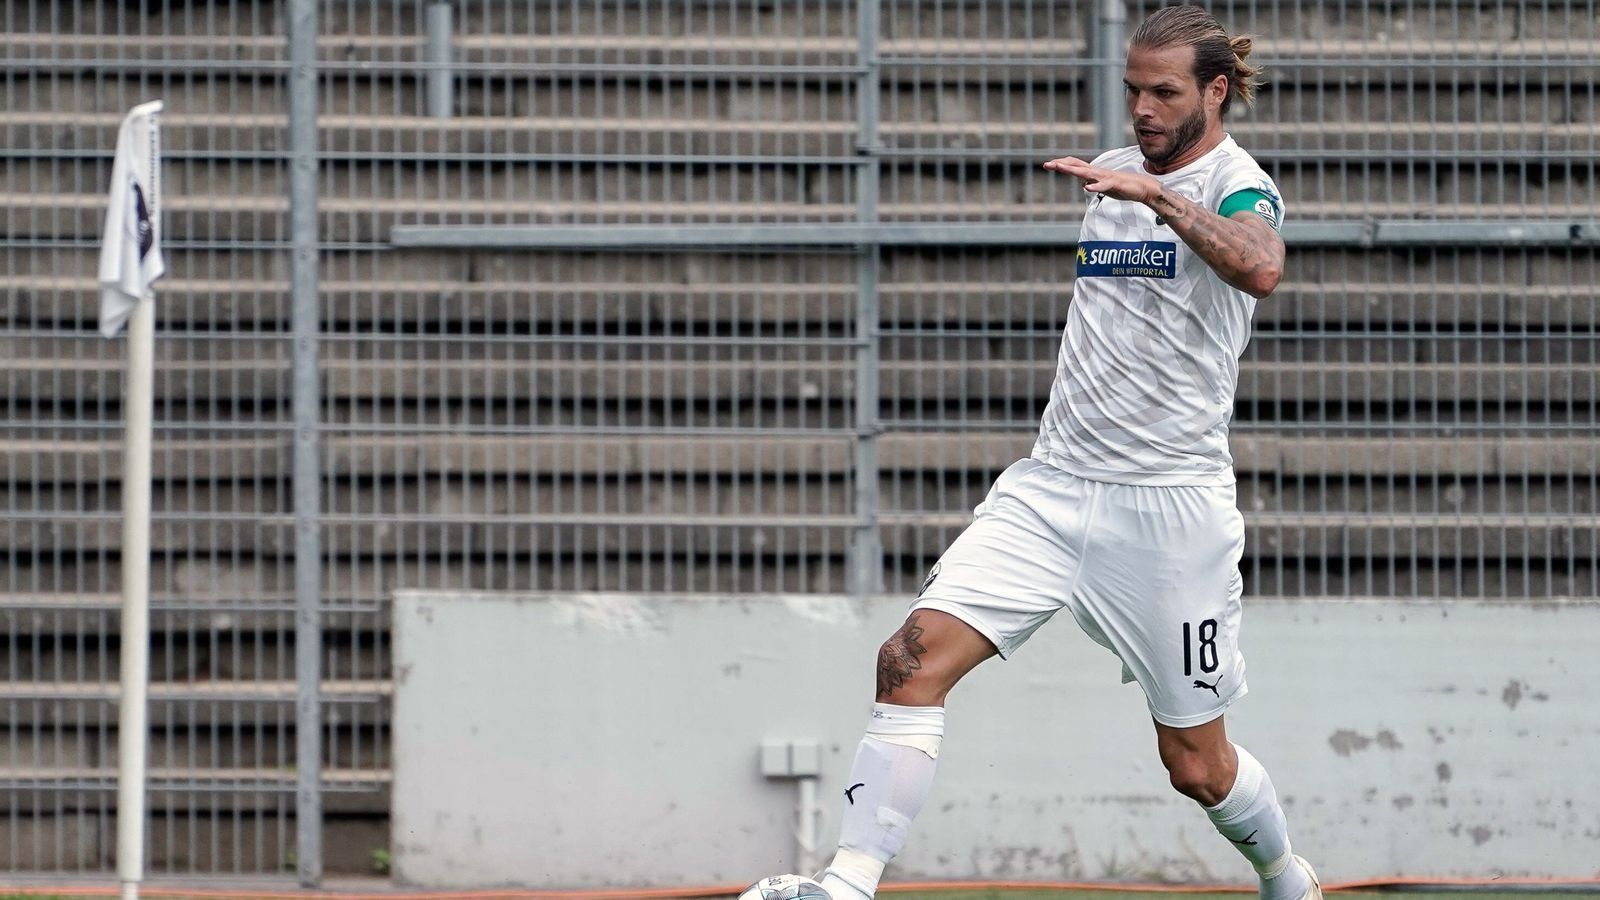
{"points": [[1251, 200]]}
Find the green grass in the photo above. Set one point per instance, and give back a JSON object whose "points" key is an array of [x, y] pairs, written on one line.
{"points": [[1148, 895], [1013, 894]]}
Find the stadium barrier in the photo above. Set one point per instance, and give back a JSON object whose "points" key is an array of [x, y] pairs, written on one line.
{"points": [[342, 412], [602, 741]]}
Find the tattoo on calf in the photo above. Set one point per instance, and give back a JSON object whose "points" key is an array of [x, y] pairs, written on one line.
{"points": [[899, 657]]}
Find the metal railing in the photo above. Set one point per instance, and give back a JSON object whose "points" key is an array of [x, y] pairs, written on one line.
{"points": [[709, 296]]}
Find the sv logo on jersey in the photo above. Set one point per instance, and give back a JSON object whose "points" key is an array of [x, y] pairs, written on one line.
{"points": [[1128, 259]]}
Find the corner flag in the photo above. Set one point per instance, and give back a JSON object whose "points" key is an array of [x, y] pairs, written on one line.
{"points": [[130, 259], [130, 245]]}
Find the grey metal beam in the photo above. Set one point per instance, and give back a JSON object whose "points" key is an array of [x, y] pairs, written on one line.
{"points": [[1531, 233], [866, 545], [1421, 233], [1330, 234], [305, 404], [441, 80], [689, 237], [1110, 37]]}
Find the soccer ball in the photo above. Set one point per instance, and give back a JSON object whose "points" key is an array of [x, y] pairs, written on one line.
{"points": [[785, 887]]}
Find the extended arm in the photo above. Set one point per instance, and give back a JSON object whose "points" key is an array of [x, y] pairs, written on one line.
{"points": [[1243, 249]]}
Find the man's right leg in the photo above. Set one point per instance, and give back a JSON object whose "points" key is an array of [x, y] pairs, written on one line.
{"points": [[998, 582], [894, 765]]}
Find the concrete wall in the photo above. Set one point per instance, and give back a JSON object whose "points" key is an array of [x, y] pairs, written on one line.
{"points": [[612, 740]]}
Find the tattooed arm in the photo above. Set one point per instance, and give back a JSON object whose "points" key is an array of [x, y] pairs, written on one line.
{"points": [[1243, 249]]}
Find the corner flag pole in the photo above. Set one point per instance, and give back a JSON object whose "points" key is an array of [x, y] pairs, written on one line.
{"points": [[130, 260], [132, 728]]}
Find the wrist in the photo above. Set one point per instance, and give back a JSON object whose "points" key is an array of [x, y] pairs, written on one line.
{"points": [[1162, 202]]}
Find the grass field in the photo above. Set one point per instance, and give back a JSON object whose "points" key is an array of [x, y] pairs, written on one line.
{"points": [[1429, 894], [1007, 894], [1148, 895]]}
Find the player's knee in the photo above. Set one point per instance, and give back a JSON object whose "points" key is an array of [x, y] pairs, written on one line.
{"points": [[901, 679], [1198, 778]]}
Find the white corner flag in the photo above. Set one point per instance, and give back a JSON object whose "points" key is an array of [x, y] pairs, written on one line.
{"points": [[130, 259], [130, 245]]}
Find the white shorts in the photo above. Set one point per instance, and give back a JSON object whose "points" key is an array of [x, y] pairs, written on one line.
{"points": [[1151, 573]]}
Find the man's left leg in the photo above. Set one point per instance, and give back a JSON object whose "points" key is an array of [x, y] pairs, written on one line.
{"points": [[1239, 798], [1162, 589]]}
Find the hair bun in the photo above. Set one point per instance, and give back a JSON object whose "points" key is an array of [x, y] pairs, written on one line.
{"points": [[1215, 51]]}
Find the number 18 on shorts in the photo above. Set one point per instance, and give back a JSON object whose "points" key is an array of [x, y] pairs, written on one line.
{"points": [[1149, 572]]}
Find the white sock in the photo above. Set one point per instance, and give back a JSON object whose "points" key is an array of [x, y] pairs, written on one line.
{"points": [[889, 783], [1251, 818]]}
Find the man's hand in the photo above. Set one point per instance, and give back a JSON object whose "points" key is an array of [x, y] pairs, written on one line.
{"points": [[1243, 250], [1132, 186]]}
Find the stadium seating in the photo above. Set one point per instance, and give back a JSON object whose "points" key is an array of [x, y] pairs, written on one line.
{"points": [[515, 419]]}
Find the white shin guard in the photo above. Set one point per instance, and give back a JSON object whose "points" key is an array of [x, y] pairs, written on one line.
{"points": [[1252, 820], [889, 783]]}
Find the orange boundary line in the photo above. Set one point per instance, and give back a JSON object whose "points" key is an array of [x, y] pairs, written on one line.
{"points": [[731, 890], [401, 894]]}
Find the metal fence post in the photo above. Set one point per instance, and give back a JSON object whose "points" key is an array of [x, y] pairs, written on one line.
{"points": [[866, 550], [306, 403], [441, 79], [1108, 33]]}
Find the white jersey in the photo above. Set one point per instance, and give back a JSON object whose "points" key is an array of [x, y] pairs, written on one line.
{"points": [[1150, 357]]}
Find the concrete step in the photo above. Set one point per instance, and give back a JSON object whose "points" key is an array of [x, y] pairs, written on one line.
{"points": [[216, 745], [1273, 346], [191, 658], [577, 534], [1394, 577], [72, 835], [260, 694], [211, 729], [366, 220], [1270, 346], [496, 179], [946, 485], [899, 346], [1423, 494], [186, 780], [967, 107], [67, 461], [362, 201], [368, 580], [797, 416], [669, 564], [477, 535], [1344, 536], [970, 18], [1036, 41], [1373, 135], [1314, 297], [224, 605], [669, 383], [602, 459], [1390, 578]]}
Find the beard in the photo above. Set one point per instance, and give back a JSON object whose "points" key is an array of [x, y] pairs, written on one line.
{"points": [[1186, 135]]}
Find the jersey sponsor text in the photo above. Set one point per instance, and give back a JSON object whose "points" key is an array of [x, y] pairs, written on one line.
{"points": [[1127, 259]]}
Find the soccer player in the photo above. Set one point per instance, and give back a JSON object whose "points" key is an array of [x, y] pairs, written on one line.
{"points": [[1125, 513]]}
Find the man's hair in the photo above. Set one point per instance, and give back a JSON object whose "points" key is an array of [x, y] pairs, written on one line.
{"points": [[1215, 53]]}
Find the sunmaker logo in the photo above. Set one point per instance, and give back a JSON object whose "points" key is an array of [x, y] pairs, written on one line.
{"points": [[1128, 259]]}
